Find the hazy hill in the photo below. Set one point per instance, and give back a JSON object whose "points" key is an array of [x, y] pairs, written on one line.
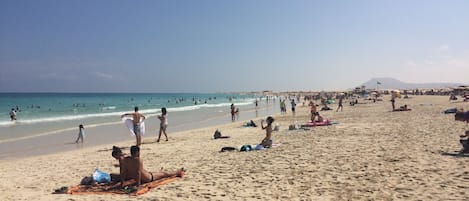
{"points": [[391, 83]]}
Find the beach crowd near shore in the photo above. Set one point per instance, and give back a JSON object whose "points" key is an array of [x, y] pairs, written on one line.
{"points": [[339, 147]]}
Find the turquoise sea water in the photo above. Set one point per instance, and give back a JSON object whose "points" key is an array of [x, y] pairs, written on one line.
{"points": [[45, 113]]}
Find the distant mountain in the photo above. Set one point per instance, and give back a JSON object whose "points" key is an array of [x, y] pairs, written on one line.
{"points": [[391, 83]]}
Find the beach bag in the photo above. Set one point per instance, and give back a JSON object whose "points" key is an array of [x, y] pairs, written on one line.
{"points": [[101, 177], [245, 147]]}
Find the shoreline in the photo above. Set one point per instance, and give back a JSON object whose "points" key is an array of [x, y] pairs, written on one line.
{"points": [[116, 132], [371, 154]]}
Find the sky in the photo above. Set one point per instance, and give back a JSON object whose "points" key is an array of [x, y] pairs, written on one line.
{"points": [[225, 46]]}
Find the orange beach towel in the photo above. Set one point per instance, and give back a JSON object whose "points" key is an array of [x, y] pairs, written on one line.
{"points": [[102, 189]]}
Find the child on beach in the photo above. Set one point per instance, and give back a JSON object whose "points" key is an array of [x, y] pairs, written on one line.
{"points": [[81, 133], [163, 123], [267, 141]]}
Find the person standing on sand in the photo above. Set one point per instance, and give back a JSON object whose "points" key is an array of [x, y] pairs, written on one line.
{"points": [[393, 100], [314, 111], [81, 133], [293, 106], [163, 123], [233, 112], [137, 119], [340, 104], [283, 107]]}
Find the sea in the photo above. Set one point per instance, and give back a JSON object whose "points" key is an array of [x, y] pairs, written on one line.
{"points": [[46, 120]]}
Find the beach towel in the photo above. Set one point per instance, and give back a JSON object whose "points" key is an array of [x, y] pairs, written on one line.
{"points": [[322, 123], [260, 147], [101, 189], [402, 110]]}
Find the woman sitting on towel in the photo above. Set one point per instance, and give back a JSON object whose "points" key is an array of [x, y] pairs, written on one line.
{"points": [[267, 141]]}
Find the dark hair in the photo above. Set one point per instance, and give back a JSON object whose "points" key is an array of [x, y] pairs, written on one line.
{"points": [[135, 108], [81, 126], [163, 110], [270, 120], [134, 149], [116, 151]]}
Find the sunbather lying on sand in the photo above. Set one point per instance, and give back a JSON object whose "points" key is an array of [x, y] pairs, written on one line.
{"points": [[132, 171]]}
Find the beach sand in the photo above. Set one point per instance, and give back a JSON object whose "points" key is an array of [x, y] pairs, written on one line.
{"points": [[372, 154]]}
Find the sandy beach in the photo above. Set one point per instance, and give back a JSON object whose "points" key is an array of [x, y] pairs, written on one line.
{"points": [[372, 154]]}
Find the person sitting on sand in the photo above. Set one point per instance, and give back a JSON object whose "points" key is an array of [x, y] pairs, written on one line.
{"points": [[118, 154], [462, 116], [464, 140], [132, 171], [250, 123], [267, 141], [218, 135]]}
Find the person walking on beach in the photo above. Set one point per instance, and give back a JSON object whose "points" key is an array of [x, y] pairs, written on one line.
{"points": [[13, 114], [340, 104], [267, 141], [137, 119], [163, 123], [81, 133]]}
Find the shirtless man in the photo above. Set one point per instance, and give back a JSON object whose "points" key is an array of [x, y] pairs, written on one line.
{"points": [[132, 171], [137, 118], [314, 111]]}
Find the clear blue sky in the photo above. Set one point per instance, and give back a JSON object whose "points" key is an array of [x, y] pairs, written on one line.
{"points": [[212, 46]]}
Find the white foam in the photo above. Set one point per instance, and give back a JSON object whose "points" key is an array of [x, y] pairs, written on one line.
{"points": [[149, 112]]}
